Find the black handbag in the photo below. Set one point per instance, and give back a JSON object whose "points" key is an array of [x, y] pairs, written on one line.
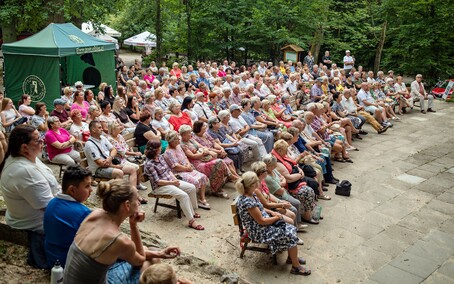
{"points": [[343, 188], [308, 171]]}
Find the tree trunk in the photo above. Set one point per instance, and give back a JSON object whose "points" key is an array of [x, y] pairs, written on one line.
{"points": [[316, 43], [9, 31], [158, 33], [379, 50], [189, 31], [56, 11]]}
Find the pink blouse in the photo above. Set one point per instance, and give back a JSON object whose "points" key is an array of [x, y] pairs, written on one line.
{"points": [[51, 137], [83, 110]]}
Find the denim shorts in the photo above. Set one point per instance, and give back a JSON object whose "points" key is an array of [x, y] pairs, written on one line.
{"points": [[123, 272]]}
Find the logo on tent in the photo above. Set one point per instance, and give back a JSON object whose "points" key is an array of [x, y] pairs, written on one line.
{"points": [[76, 39], [34, 86]]}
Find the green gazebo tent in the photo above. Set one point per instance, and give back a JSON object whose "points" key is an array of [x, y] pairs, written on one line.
{"points": [[57, 56]]}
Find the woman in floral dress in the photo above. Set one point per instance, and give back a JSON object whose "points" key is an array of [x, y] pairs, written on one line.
{"points": [[180, 165], [203, 138], [266, 226], [204, 161], [230, 145], [123, 150], [297, 185]]}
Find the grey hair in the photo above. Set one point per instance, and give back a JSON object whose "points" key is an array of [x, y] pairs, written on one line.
{"points": [[172, 105], [156, 110], [269, 159], [223, 113], [311, 106], [172, 135], [272, 98], [185, 128]]}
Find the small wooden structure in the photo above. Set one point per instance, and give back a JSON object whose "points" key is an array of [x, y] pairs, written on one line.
{"points": [[292, 52]]}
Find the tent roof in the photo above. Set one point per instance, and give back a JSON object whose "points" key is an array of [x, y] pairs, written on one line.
{"points": [[143, 39], [89, 29], [58, 40]]}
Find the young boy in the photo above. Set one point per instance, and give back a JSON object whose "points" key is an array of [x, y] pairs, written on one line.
{"points": [[65, 213]]}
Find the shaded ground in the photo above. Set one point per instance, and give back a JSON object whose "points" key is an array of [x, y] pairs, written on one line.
{"points": [[397, 227]]}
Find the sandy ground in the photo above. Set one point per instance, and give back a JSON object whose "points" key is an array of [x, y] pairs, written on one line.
{"points": [[403, 194], [387, 215]]}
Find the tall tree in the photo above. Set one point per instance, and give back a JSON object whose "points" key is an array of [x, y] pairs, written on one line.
{"points": [[158, 32]]}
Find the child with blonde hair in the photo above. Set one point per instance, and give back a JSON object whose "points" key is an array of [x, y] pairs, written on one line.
{"points": [[161, 273]]}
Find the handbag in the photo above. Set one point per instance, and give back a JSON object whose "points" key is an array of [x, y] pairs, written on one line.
{"points": [[116, 161], [230, 150], [279, 223], [309, 171], [207, 158], [20, 121], [343, 188]]}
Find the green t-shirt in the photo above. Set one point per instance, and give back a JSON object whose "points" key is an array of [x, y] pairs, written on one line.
{"points": [[273, 184]]}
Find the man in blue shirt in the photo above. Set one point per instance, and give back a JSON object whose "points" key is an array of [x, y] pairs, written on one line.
{"points": [[65, 213]]}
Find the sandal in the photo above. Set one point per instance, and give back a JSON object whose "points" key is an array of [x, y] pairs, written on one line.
{"points": [[324, 197], [311, 221], [301, 260], [198, 227], [337, 159], [300, 271], [203, 204], [197, 215], [143, 201], [348, 160], [221, 194]]}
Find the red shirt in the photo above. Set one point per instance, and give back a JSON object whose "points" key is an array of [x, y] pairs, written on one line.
{"points": [[177, 122], [176, 72]]}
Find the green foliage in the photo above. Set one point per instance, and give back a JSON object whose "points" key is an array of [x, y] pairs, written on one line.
{"points": [[418, 36]]}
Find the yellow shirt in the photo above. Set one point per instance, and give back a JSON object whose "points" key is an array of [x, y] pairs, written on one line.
{"points": [[339, 88]]}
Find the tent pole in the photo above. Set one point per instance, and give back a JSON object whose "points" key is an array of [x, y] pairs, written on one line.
{"points": [[3, 76]]}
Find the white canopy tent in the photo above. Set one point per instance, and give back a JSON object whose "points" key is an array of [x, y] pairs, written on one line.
{"points": [[108, 38], [146, 39], [89, 29]]}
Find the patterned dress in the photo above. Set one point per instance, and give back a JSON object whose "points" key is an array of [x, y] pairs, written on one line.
{"points": [[121, 146], [177, 156], [236, 154], [278, 238], [215, 170], [244, 148], [298, 189], [208, 141]]}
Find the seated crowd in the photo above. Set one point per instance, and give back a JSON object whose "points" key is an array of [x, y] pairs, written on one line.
{"points": [[198, 129]]}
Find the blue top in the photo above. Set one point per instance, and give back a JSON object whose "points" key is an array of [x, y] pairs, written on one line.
{"points": [[300, 144], [62, 219]]}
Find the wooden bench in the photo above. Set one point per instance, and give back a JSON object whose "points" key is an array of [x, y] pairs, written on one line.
{"points": [[245, 242], [15, 236], [177, 207], [84, 164]]}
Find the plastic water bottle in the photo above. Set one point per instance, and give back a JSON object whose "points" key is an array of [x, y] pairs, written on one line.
{"points": [[317, 213], [56, 275]]}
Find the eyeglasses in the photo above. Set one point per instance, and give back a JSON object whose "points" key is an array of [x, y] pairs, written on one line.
{"points": [[38, 141]]}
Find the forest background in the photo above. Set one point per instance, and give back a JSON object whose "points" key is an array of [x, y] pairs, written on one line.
{"points": [[406, 36]]}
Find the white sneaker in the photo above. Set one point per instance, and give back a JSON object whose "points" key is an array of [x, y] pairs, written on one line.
{"points": [[141, 187], [300, 242], [301, 227]]}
